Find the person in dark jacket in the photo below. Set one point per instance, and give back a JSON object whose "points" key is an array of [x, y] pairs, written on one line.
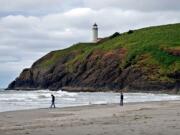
{"points": [[53, 101], [121, 99]]}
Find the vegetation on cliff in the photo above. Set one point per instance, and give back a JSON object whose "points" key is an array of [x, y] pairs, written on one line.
{"points": [[147, 58]]}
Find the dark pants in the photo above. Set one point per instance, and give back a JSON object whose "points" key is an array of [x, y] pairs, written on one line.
{"points": [[121, 102], [53, 105]]}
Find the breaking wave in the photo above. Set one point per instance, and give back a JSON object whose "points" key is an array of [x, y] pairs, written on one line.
{"points": [[20, 100]]}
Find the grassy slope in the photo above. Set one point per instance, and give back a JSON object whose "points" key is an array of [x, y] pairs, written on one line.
{"points": [[146, 50]]}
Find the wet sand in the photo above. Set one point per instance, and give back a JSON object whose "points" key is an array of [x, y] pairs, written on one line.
{"points": [[151, 118]]}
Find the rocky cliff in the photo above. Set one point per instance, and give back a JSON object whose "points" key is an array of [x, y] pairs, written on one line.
{"points": [[143, 60]]}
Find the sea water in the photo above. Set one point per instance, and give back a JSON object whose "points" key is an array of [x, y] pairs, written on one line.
{"points": [[20, 100]]}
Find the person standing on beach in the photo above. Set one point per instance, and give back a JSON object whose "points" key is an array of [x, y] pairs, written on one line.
{"points": [[122, 98], [53, 101]]}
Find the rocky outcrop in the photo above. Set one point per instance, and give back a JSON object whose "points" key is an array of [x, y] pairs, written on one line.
{"points": [[99, 71]]}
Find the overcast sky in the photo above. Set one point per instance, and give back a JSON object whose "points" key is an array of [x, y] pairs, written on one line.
{"points": [[31, 28]]}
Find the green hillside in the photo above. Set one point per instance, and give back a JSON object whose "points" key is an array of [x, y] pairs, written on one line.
{"points": [[150, 49]]}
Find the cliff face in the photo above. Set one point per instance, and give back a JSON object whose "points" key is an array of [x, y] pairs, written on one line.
{"points": [[139, 60]]}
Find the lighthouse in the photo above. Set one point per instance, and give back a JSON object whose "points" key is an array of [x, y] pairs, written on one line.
{"points": [[95, 32]]}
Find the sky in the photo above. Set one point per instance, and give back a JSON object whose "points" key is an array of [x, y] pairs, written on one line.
{"points": [[31, 28]]}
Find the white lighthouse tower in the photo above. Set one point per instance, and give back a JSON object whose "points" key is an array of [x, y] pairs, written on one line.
{"points": [[95, 32]]}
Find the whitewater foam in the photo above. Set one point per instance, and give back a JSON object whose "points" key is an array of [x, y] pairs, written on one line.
{"points": [[20, 100]]}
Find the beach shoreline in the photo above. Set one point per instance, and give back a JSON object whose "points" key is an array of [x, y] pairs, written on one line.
{"points": [[90, 105], [157, 117]]}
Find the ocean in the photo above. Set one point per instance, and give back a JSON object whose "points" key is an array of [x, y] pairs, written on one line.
{"points": [[21, 100]]}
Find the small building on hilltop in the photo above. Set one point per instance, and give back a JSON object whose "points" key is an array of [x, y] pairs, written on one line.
{"points": [[95, 37]]}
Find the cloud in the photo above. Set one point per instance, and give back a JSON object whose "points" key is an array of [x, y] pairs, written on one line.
{"points": [[140, 5], [36, 7], [40, 7]]}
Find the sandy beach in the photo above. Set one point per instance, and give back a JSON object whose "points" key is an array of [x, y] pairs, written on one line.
{"points": [[151, 118]]}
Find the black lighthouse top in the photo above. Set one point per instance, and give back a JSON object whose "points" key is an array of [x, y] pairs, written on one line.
{"points": [[95, 25]]}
